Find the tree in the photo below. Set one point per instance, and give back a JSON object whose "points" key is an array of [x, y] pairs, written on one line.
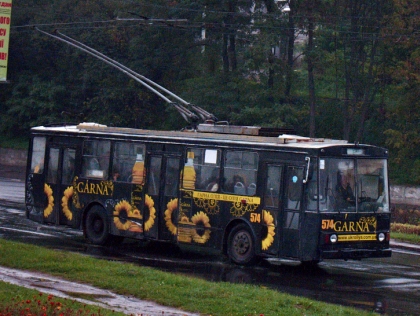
{"points": [[402, 94]]}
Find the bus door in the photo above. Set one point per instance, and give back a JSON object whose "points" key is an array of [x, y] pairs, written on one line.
{"points": [[35, 200], [272, 204], [58, 187], [161, 197], [292, 207]]}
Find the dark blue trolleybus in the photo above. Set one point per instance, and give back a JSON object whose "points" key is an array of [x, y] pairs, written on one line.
{"points": [[222, 188]]}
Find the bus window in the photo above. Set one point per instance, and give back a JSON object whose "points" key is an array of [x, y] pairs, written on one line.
{"points": [[68, 165], [312, 195], [206, 163], [96, 159], [171, 177], [337, 183], [154, 177], [351, 184], [372, 186], [53, 165], [240, 172], [38, 155], [272, 190], [125, 155], [294, 187]]}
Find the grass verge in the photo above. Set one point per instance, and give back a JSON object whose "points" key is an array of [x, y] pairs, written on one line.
{"points": [[178, 291], [410, 238]]}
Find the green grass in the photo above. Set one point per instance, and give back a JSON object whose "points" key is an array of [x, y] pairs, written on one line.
{"points": [[410, 238], [189, 294]]}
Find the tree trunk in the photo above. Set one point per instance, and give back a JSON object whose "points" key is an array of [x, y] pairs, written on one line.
{"points": [[290, 50], [225, 56], [311, 82], [232, 52]]}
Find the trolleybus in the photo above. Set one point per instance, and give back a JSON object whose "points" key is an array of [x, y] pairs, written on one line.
{"points": [[241, 194], [230, 189]]}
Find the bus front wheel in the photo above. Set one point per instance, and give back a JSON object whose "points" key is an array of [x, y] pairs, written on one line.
{"points": [[241, 246], [96, 225]]}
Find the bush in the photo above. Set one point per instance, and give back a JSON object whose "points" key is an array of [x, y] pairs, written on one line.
{"points": [[405, 215], [405, 228]]}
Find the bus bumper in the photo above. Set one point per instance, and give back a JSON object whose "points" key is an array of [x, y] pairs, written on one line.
{"points": [[355, 253]]}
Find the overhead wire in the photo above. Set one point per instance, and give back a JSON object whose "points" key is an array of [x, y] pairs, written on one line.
{"points": [[207, 22], [226, 28]]}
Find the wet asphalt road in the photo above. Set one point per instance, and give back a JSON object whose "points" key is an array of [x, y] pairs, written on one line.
{"points": [[390, 285]]}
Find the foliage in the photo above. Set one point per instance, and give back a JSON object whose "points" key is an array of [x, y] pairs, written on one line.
{"points": [[358, 81], [407, 215], [405, 228]]}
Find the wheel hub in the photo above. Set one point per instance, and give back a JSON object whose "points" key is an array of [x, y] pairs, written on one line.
{"points": [[241, 243], [97, 225]]}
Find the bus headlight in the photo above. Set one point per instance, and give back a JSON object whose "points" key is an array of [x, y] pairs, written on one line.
{"points": [[333, 238], [381, 236]]}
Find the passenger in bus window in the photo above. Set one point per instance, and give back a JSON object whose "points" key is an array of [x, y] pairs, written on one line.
{"points": [[345, 196], [116, 174], [236, 181], [213, 181]]}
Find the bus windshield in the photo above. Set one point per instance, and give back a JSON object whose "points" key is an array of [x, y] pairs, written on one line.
{"points": [[353, 185]]}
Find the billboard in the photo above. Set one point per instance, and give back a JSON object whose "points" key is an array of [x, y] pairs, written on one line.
{"points": [[5, 14]]}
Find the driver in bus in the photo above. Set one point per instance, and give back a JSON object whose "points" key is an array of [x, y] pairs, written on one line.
{"points": [[345, 196]]}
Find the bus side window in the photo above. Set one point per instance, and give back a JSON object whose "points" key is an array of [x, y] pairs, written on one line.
{"points": [[272, 188], [38, 155], [240, 172], [96, 156], [202, 170], [124, 160]]}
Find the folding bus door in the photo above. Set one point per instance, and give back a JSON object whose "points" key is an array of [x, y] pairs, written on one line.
{"points": [[292, 211], [58, 188], [272, 209], [161, 197]]}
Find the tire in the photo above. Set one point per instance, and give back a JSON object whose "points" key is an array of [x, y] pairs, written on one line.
{"points": [[241, 245], [311, 265], [97, 227]]}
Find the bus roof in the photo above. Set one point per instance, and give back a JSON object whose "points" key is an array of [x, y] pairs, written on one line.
{"points": [[282, 141]]}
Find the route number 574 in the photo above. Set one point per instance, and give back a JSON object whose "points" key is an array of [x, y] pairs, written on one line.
{"points": [[255, 218], [327, 224]]}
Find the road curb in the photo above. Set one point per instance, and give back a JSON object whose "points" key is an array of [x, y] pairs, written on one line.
{"points": [[404, 245]]}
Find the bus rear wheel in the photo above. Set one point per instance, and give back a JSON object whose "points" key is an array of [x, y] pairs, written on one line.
{"points": [[241, 246], [96, 225]]}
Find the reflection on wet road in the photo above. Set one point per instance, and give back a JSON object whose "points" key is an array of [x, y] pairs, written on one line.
{"points": [[390, 285]]}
